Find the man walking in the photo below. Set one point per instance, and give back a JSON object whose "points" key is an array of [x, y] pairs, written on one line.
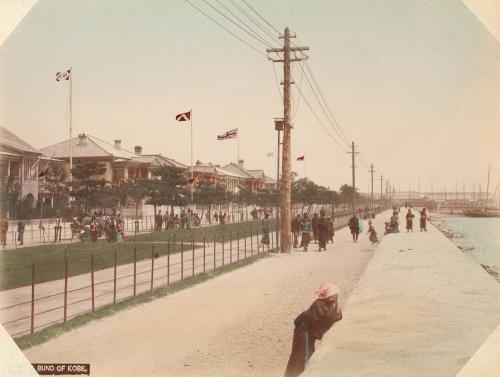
{"points": [[21, 225], [296, 230], [314, 221], [4, 227]]}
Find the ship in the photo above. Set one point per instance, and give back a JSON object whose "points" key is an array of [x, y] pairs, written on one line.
{"points": [[484, 212]]}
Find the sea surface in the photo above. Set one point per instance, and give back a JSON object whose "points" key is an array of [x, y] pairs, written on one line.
{"points": [[477, 237]]}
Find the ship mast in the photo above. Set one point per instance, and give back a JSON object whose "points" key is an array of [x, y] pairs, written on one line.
{"points": [[487, 190]]}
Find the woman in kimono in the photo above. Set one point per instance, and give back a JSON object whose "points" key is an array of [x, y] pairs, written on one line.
{"points": [[409, 221], [265, 230], [306, 232], [311, 325], [322, 230], [423, 220]]}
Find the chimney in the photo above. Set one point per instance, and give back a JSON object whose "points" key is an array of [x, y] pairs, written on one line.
{"points": [[118, 144], [198, 163], [240, 163], [137, 150], [82, 139]]}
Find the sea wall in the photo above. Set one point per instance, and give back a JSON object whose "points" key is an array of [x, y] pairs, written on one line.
{"points": [[422, 308]]}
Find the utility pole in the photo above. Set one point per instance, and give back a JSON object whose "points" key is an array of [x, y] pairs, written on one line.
{"points": [[354, 153], [286, 175], [381, 192], [372, 171]]}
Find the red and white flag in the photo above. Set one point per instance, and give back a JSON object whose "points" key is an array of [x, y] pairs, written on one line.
{"points": [[60, 76], [184, 117], [231, 134], [300, 158]]}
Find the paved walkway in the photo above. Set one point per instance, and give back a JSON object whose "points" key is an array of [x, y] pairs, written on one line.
{"points": [[422, 308], [239, 324]]}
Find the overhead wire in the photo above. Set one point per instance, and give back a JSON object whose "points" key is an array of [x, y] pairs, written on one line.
{"points": [[255, 22], [262, 18], [226, 29], [250, 33]]}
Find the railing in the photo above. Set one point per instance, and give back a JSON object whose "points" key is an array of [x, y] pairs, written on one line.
{"points": [[45, 301]]}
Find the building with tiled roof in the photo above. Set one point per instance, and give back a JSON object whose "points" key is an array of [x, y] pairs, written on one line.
{"points": [[253, 180], [18, 161], [120, 163], [215, 175]]}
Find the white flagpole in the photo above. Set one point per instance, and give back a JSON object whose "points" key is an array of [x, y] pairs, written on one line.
{"points": [[192, 174], [238, 157], [70, 125]]}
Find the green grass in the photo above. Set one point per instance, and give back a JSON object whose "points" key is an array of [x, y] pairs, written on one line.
{"points": [[43, 336], [16, 265]]}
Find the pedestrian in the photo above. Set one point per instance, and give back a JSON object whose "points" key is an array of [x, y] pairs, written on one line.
{"points": [[21, 225], [354, 227], [296, 230], [409, 220], [423, 220], [322, 230], [265, 229], [4, 227], [311, 325], [395, 222], [331, 229], [306, 232], [94, 230], [158, 221], [315, 227], [188, 218], [372, 232]]}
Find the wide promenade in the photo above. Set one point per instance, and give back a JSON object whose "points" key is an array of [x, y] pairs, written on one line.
{"points": [[421, 309]]}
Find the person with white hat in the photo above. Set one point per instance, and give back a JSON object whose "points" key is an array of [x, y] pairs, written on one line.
{"points": [[311, 325]]}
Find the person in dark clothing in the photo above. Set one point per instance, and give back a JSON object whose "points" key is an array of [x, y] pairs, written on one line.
{"points": [[423, 220], [20, 231], [314, 222], [331, 229], [322, 230], [354, 227], [296, 230], [311, 325]]}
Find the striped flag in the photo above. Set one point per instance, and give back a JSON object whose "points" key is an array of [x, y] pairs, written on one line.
{"points": [[300, 158], [183, 117], [46, 170], [231, 134], [60, 76]]}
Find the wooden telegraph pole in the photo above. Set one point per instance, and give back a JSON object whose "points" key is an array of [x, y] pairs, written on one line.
{"points": [[372, 171], [286, 175], [353, 152]]}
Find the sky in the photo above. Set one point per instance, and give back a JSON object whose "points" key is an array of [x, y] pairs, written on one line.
{"points": [[414, 83]]}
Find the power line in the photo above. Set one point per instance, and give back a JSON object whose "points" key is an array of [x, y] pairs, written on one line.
{"points": [[256, 37], [252, 19], [226, 29], [277, 83], [262, 18]]}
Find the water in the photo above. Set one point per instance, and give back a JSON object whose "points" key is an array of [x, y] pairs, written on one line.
{"points": [[477, 237]]}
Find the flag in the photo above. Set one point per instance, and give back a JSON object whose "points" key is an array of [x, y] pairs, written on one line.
{"points": [[231, 134], [183, 117], [270, 154], [63, 75], [45, 171], [300, 158]]}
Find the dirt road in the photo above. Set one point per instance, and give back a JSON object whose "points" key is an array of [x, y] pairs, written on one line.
{"points": [[239, 324]]}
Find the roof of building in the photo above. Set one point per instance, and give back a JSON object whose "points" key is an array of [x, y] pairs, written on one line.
{"points": [[208, 168], [257, 173], [9, 140], [90, 146], [238, 170]]}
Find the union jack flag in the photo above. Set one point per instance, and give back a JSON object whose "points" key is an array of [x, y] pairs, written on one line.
{"points": [[231, 134]]}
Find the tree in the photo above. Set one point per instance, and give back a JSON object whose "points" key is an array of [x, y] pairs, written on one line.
{"points": [[88, 186], [167, 188], [137, 190], [209, 194], [346, 194], [10, 192]]}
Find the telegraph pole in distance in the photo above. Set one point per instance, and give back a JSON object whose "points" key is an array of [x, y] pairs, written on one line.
{"points": [[353, 152], [381, 189], [372, 171], [286, 174]]}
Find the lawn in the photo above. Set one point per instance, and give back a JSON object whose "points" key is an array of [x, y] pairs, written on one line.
{"points": [[49, 260]]}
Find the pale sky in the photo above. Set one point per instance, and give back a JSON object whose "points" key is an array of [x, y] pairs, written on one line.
{"points": [[415, 83]]}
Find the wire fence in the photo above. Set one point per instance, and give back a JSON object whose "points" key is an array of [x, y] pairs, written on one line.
{"points": [[85, 283]]}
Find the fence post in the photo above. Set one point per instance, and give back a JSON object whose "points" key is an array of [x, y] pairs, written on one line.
{"points": [[238, 235], [204, 253], [168, 263], [114, 281], [135, 270], [152, 264], [230, 247], [215, 265], [65, 285], [272, 240], [192, 248], [223, 256], [32, 298], [182, 259], [92, 280], [251, 242], [245, 231]]}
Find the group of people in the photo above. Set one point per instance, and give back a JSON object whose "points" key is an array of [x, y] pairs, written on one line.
{"points": [[96, 225], [321, 228], [186, 219], [392, 226]]}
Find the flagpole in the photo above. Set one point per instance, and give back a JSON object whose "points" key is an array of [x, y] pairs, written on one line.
{"points": [[192, 174], [70, 125], [238, 158]]}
